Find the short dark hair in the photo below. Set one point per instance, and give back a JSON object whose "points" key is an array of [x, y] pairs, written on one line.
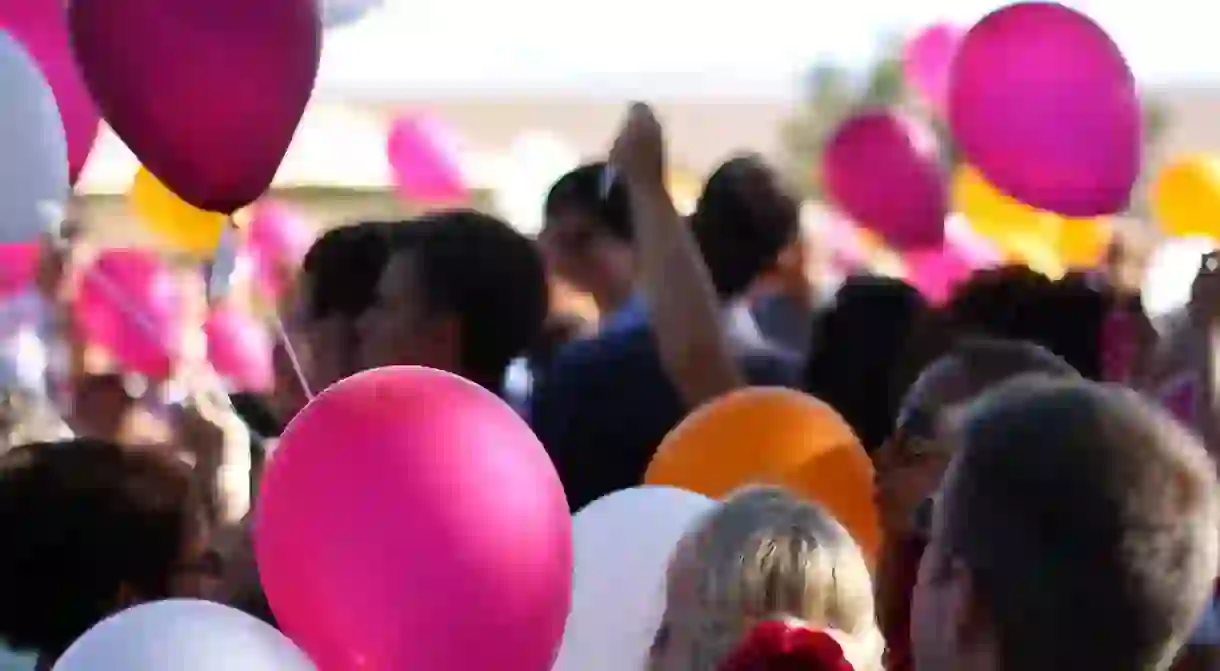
{"points": [[342, 269], [1088, 521], [82, 519], [581, 190], [855, 345], [990, 361], [744, 218], [488, 275]]}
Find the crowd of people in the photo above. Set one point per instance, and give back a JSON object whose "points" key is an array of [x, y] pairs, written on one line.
{"points": [[1043, 507]]}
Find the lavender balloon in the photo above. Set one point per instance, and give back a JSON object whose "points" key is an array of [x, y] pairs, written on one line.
{"points": [[882, 170], [1042, 102], [41, 26], [207, 94]]}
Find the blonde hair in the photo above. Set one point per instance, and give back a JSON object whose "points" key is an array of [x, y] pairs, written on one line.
{"points": [[765, 555]]}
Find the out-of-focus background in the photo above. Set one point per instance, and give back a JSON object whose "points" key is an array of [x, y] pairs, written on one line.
{"points": [[530, 87]]}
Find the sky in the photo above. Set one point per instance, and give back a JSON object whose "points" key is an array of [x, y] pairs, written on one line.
{"points": [[693, 47]]}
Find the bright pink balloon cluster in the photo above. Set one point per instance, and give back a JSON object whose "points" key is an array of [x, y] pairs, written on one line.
{"points": [[926, 62], [41, 26], [426, 161], [207, 94], [131, 304], [1042, 102], [239, 349], [883, 170], [18, 267], [410, 520]]}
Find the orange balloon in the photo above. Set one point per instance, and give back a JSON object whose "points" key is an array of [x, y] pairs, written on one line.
{"points": [[769, 435], [842, 481]]}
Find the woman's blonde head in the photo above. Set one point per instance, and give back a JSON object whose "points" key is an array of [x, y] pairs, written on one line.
{"points": [[761, 555]]}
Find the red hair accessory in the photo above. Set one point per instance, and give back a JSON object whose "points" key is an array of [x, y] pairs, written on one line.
{"points": [[782, 646]]}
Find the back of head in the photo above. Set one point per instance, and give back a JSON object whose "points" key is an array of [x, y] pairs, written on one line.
{"points": [[763, 554], [1088, 521], [745, 217], [490, 277], [87, 523], [582, 191], [856, 344], [341, 270]]}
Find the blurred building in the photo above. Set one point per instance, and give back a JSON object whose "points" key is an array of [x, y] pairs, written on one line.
{"points": [[337, 170]]}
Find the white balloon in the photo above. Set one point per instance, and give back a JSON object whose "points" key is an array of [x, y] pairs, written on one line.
{"points": [[33, 152], [622, 546], [1170, 273], [183, 635], [337, 13]]}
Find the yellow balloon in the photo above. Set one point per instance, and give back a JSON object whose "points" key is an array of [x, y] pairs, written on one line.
{"points": [[1186, 197], [1046, 242], [184, 227]]}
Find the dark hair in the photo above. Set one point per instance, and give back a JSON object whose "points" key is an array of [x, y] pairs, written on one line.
{"points": [[855, 345], [342, 269], [1014, 302], [581, 190], [479, 269], [743, 220], [82, 520], [1088, 521]]}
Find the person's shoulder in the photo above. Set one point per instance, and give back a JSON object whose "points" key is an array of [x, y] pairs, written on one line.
{"points": [[768, 364], [605, 348]]}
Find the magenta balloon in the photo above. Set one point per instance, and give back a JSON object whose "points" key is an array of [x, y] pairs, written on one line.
{"points": [[18, 267], [426, 161], [926, 60], [206, 94], [882, 170], [937, 270], [41, 26], [279, 233], [410, 520], [1042, 102], [131, 304], [239, 349]]}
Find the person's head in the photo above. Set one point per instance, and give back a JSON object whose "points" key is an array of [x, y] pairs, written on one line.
{"points": [[856, 343], [337, 283], [745, 217], [90, 528], [1077, 528], [911, 462], [587, 236], [463, 292], [764, 555]]}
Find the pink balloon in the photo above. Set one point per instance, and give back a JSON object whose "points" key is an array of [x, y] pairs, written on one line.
{"points": [[278, 238], [425, 157], [41, 26], [926, 60], [279, 232], [130, 303], [936, 271], [1042, 102], [18, 267], [882, 170], [410, 520], [207, 95], [239, 349]]}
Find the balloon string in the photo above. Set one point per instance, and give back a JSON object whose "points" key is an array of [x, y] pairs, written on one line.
{"points": [[297, 370]]}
